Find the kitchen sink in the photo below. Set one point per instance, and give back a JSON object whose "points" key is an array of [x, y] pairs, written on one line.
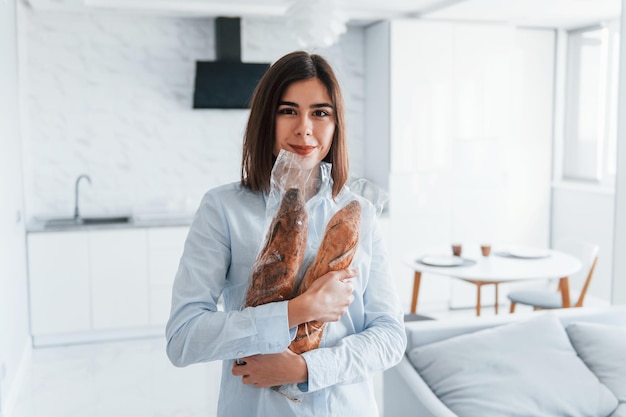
{"points": [[105, 220], [84, 221]]}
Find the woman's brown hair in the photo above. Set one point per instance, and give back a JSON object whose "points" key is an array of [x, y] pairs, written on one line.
{"points": [[258, 144]]}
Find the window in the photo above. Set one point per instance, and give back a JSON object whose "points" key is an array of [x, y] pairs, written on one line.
{"points": [[591, 104]]}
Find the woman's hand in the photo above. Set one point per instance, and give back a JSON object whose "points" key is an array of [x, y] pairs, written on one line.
{"points": [[271, 370], [326, 300]]}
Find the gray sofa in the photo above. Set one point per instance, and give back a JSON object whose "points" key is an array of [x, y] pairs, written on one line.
{"points": [[549, 363]]}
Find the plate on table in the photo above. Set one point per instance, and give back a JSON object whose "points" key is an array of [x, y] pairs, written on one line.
{"points": [[529, 253], [441, 260]]}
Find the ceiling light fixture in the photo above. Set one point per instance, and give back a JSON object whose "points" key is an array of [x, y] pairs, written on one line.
{"points": [[315, 23]]}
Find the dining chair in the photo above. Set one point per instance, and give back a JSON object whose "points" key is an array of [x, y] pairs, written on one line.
{"points": [[587, 253]]}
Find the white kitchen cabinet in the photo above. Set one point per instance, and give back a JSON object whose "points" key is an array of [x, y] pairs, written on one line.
{"points": [[60, 299], [458, 129], [165, 247], [119, 278], [101, 284]]}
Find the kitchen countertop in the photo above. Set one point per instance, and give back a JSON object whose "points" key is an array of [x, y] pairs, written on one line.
{"points": [[39, 225]]}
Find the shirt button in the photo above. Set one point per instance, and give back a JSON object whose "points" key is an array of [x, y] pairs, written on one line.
{"points": [[239, 354]]}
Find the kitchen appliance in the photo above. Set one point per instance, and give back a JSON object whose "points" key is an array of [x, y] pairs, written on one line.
{"points": [[226, 83]]}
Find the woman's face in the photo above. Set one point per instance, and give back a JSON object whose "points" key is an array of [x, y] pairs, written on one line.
{"points": [[305, 121]]}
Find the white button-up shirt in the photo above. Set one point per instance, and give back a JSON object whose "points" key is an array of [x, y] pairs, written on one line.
{"points": [[223, 242]]}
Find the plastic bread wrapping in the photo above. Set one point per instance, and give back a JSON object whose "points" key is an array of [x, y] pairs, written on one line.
{"points": [[276, 267], [300, 248]]}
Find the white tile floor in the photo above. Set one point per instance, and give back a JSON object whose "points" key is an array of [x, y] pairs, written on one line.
{"points": [[118, 379], [134, 378]]}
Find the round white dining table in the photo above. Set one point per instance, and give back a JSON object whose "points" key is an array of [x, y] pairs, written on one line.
{"points": [[504, 264]]}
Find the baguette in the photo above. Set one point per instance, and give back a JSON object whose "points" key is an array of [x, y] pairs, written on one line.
{"points": [[336, 252], [275, 269]]}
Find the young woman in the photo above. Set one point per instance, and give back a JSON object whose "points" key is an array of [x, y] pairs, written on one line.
{"points": [[297, 107]]}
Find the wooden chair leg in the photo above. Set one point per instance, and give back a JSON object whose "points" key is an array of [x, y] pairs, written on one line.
{"points": [[564, 287], [416, 289], [478, 299], [496, 305], [512, 309]]}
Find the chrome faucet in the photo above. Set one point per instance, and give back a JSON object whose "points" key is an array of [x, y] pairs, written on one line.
{"points": [[76, 211]]}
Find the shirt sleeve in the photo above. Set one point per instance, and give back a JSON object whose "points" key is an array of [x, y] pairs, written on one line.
{"points": [[196, 331], [379, 346]]}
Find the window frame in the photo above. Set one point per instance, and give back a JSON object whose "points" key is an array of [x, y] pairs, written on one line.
{"points": [[606, 141]]}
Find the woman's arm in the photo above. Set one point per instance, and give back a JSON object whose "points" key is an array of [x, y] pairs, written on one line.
{"points": [[326, 300], [381, 342], [378, 346], [196, 330]]}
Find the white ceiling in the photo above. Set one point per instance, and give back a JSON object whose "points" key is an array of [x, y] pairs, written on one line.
{"points": [[541, 13]]}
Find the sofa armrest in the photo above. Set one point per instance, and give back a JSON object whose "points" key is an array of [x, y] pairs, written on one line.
{"points": [[406, 394]]}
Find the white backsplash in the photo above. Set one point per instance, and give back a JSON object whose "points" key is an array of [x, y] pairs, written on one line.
{"points": [[109, 95]]}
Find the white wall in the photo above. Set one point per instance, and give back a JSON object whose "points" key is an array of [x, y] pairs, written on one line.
{"points": [[377, 109], [619, 249], [110, 95], [14, 332]]}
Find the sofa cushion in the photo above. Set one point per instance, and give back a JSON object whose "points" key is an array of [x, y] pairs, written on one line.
{"points": [[527, 368], [603, 348], [620, 411]]}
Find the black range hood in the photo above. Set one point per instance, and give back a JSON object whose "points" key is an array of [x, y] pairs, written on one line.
{"points": [[226, 83]]}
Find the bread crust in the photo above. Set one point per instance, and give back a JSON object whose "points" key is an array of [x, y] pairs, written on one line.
{"points": [[275, 269], [336, 252]]}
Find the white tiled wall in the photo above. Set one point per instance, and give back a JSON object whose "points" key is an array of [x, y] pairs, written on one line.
{"points": [[110, 95]]}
